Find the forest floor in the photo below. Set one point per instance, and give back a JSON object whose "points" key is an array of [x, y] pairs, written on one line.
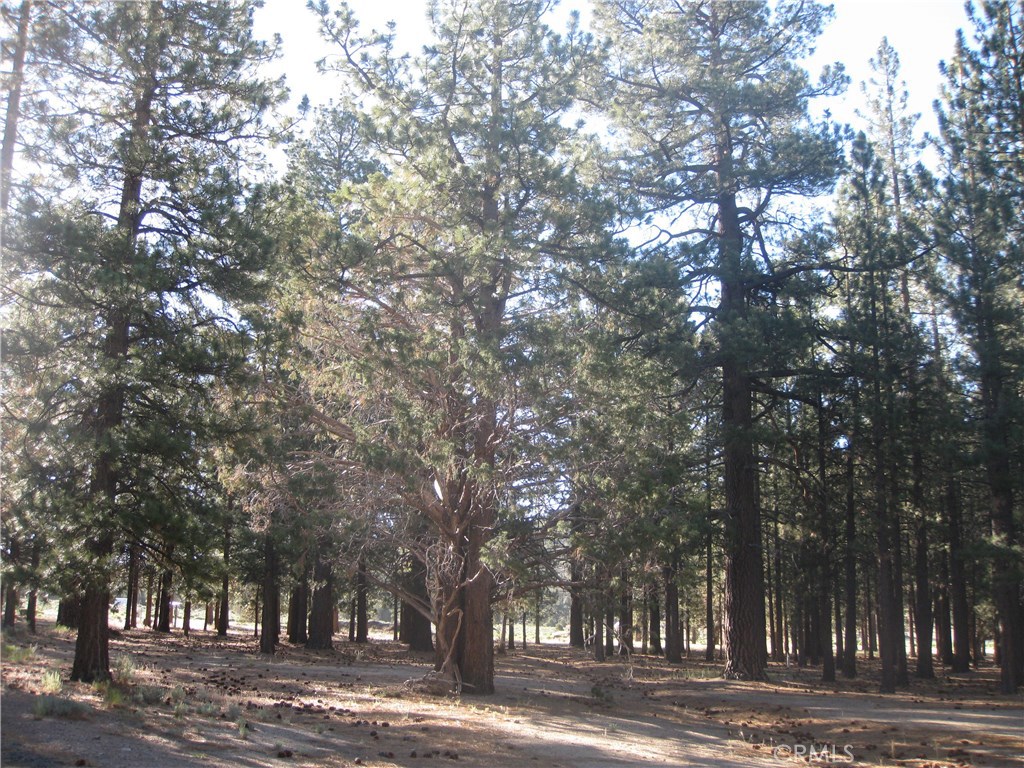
{"points": [[209, 701]]}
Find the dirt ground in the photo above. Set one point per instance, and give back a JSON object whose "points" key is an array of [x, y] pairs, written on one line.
{"points": [[208, 701]]}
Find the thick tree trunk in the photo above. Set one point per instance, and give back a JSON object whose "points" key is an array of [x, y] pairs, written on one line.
{"points": [[68, 611], [321, 615], [474, 653], [186, 618], [92, 655], [271, 629]]}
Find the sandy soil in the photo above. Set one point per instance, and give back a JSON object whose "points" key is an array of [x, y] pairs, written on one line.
{"points": [[208, 701]]}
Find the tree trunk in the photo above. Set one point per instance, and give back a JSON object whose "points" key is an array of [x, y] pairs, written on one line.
{"points": [[577, 638], [15, 80], [224, 611], [186, 618], [709, 598], [164, 606], [959, 649], [850, 567], [362, 589], [92, 655], [511, 616], [673, 637], [68, 611], [625, 613], [654, 616], [148, 622], [132, 590], [924, 622], [415, 628], [11, 602], [298, 611], [271, 598], [321, 614]]}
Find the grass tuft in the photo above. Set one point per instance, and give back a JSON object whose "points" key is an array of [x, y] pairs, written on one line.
{"points": [[52, 682], [58, 706]]}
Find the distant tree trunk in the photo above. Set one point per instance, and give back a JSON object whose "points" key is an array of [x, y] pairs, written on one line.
{"points": [[923, 603], [524, 631], [164, 606], [186, 618], [780, 600], [824, 556], [536, 618], [148, 622], [654, 617], [11, 601], [321, 615], [577, 639], [511, 630], [625, 613], [223, 614], [362, 589], [207, 615], [960, 653], [673, 636], [899, 581], [415, 628], [132, 590], [709, 598], [30, 609], [352, 620], [271, 629], [609, 630], [298, 610], [850, 566], [68, 610]]}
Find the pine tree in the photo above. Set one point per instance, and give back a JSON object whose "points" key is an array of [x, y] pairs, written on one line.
{"points": [[446, 277], [713, 111], [980, 237], [125, 270]]}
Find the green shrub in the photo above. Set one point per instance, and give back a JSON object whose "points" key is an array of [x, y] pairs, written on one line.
{"points": [[52, 682], [58, 706]]}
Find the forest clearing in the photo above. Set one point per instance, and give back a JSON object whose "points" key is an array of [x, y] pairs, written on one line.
{"points": [[210, 701]]}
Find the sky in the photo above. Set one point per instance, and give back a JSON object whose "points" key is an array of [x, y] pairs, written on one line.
{"points": [[922, 32]]}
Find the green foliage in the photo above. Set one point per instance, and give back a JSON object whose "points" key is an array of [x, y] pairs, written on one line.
{"points": [[58, 706]]}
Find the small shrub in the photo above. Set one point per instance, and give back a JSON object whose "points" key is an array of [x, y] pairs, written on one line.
{"points": [[180, 709], [233, 712], [243, 728], [14, 654], [177, 694], [52, 682], [58, 706], [113, 696], [147, 695], [208, 709], [125, 669]]}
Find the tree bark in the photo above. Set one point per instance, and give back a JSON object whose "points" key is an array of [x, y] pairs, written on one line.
{"points": [[362, 589], [271, 628], [164, 606], [13, 115], [923, 603], [321, 615], [673, 637], [654, 616]]}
